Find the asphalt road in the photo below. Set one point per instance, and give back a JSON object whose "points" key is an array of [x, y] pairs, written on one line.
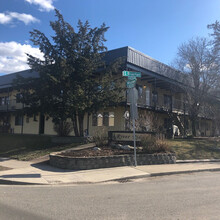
{"points": [[188, 196]]}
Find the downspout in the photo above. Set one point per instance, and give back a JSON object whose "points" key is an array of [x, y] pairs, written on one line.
{"points": [[22, 123], [184, 116], [88, 115]]}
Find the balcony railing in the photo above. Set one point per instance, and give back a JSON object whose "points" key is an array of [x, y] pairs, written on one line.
{"points": [[10, 105], [176, 105], [158, 102]]}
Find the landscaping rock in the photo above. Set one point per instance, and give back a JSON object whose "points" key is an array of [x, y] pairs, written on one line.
{"points": [[96, 148], [122, 147], [117, 146], [127, 147]]}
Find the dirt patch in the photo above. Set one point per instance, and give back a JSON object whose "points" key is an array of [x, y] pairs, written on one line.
{"points": [[105, 151]]}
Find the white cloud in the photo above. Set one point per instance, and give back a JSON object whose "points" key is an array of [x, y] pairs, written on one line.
{"points": [[10, 17], [45, 5], [13, 56], [5, 19]]}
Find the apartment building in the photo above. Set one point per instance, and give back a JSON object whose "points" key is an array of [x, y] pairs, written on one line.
{"points": [[161, 103]]}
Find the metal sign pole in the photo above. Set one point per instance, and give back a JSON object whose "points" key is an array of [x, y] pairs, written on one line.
{"points": [[132, 78], [133, 122]]}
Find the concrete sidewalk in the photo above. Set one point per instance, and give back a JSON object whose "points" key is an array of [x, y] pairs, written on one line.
{"points": [[42, 173]]}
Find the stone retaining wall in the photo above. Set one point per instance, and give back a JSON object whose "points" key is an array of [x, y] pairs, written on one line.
{"points": [[80, 163]]}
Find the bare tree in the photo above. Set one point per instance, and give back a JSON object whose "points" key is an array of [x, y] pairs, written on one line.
{"points": [[199, 62], [215, 27]]}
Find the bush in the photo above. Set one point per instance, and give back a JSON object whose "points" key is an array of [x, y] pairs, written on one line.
{"points": [[162, 146], [148, 142], [100, 138], [63, 128], [151, 144]]}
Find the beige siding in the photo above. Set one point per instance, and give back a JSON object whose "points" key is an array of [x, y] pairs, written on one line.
{"points": [[31, 127], [119, 122]]}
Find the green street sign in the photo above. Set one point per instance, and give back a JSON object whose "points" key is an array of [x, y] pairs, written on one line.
{"points": [[132, 78], [132, 81], [131, 84], [131, 73]]}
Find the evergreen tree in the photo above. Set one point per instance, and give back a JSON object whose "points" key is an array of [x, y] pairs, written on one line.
{"points": [[73, 79]]}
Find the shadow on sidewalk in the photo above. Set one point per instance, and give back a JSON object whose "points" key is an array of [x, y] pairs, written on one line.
{"points": [[21, 176], [2, 159], [47, 167]]}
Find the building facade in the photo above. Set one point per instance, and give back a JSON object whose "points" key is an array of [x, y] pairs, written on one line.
{"points": [[161, 103]]}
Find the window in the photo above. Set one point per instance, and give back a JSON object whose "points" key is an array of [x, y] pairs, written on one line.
{"points": [[147, 96], [111, 119], [168, 101], [100, 119], [35, 117], [4, 100], [140, 90], [97, 119], [18, 97], [27, 120], [18, 120], [103, 119], [154, 97], [94, 119]]}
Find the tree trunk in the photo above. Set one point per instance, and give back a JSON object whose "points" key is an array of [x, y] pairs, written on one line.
{"points": [[75, 125], [81, 119], [194, 127]]}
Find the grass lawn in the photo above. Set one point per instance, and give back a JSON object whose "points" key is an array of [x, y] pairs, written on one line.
{"points": [[198, 148], [28, 147]]}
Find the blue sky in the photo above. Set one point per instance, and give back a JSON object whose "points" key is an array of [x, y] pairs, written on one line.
{"points": [[154, 27]]}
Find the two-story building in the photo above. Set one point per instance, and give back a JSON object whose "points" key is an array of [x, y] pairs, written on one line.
{"points": [[161, 102]]}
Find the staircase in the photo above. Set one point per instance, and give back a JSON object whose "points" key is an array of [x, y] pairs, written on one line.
{"points": [[176, 120]]}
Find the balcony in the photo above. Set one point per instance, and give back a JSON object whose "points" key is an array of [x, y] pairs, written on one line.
{"points": [[163, 103], [10, 105]]}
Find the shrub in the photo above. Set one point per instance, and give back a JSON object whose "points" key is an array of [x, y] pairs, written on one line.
{"points": [[100, 137], [63, 128], [151, 144], [161, 146], [148, 142]]}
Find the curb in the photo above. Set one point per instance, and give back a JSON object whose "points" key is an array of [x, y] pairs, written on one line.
{"points": [[11, 182], [186, 171], [126, 178], [161, 174], [198, 161]]}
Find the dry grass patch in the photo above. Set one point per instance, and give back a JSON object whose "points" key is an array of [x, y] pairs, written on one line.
{"points": [[197, 148], [28, 147]]}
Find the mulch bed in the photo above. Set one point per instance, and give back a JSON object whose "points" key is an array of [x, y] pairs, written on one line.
{"points": [[105, 151]]}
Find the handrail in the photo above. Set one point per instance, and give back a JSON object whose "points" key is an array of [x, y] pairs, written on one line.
{"points": [[11, 105]]}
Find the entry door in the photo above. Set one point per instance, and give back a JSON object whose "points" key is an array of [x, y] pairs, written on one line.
{"points": [[41, 124]]}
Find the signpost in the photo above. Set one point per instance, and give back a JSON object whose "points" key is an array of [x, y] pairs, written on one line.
{"points": [[131, 73], [132, 78], [130, 84]]}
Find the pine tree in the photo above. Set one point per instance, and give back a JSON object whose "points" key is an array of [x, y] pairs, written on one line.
{"points": [[73, 78]]}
